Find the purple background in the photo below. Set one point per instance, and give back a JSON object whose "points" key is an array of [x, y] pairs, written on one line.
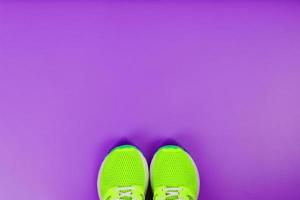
{"points": [[222, 79]]}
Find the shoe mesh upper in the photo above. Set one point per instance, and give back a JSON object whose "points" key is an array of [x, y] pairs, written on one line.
{"points": [[122, 167], [173, 167]]}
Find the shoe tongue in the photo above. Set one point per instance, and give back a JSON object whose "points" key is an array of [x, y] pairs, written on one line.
{"points": [[179, 197], [126, 198], [172, 198], [121, 198]]}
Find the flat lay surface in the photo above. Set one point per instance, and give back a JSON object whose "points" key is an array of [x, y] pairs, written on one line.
{"points": [[219, 78]]}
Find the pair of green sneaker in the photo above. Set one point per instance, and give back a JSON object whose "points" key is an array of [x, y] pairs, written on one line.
{"points": [[124, 175]]}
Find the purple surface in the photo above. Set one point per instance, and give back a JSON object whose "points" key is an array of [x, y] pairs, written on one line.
{"points": [[222, 79]]}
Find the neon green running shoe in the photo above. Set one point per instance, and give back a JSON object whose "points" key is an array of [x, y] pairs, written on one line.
{"points": [[123, 175], [174, 175]]}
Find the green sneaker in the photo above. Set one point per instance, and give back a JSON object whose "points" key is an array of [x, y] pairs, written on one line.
{"points": [[123, 175], [174, 175]]}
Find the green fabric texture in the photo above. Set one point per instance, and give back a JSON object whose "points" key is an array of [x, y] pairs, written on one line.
{"points": [[123, 172], [174, 174]]}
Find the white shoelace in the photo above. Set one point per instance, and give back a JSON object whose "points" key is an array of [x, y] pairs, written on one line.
{"points": [[173, 192], [125, 192]]}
